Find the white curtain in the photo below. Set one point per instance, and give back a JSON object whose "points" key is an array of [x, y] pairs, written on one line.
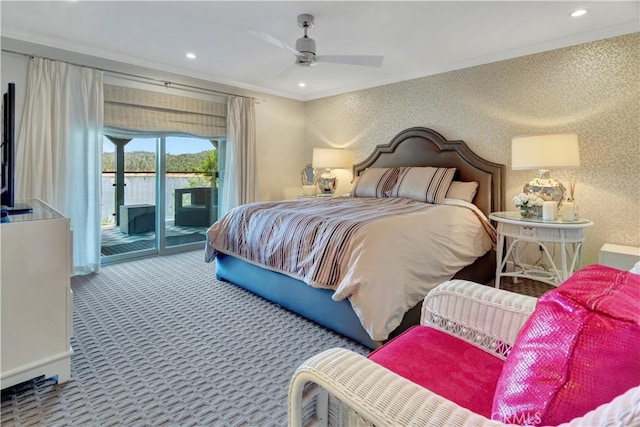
{"points": [[239, 175], [59, 150]]}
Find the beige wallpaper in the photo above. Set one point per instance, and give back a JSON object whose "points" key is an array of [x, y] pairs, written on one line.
{"points": [[591, 89]]}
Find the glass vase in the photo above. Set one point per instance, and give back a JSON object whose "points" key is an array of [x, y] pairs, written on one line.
{"points": [[525, 212]]}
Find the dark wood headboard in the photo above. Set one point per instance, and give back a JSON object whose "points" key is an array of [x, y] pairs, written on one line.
{"points": [[425, 147]]}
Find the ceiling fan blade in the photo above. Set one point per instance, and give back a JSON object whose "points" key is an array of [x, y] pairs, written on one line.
{"points": [[363, 60], [274, 41]]}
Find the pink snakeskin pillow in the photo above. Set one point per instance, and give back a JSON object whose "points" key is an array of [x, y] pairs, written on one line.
{"points": [[579, 349]]}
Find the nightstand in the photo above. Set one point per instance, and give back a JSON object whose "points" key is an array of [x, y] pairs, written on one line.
{"points": [[567, 235]]}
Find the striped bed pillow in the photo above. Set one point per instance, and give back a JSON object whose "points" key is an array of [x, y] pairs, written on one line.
{"points": [[375, 182], [424, 184]]}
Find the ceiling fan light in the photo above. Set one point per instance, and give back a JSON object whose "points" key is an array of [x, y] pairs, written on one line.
{"points": [[306, 59], [306, 44]]}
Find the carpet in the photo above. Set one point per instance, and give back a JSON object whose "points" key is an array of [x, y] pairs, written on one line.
{"points": [[524, 286], [160, 342]]}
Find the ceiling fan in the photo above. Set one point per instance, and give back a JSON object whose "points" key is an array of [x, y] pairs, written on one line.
{"points": [[305, 51]]}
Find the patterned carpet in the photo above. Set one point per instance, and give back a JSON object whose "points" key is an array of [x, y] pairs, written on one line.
{"points": [[524, 286], [160, 342]]}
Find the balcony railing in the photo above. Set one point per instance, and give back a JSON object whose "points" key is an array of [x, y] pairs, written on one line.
{"points": [[140, 188]]}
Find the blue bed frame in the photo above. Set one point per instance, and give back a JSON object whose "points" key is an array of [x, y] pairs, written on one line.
{"points": [[313, 303], [412, 147]]}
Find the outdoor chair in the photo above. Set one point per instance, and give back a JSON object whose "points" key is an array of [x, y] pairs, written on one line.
{"points": [[488, 357], [199, 210]]}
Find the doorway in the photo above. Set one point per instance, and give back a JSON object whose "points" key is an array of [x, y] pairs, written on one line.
{"points": [[159, 195]]}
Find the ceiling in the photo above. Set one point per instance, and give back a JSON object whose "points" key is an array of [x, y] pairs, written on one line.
{"points": [[417, 38]]}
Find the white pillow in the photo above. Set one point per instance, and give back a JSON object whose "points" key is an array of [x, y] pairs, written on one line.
{"points": [[375, 182], [462, 190], [424, 184]]}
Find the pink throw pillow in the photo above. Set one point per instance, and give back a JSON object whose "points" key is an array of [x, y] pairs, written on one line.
{"points": [[578, 350]]}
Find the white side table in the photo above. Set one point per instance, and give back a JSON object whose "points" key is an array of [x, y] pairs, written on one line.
{"points": [[568, 235]]}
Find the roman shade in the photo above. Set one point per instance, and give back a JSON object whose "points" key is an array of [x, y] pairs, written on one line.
{"points": [[130, 112]]}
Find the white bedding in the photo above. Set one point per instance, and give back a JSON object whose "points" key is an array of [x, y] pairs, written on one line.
{"points": [[395, 262]]}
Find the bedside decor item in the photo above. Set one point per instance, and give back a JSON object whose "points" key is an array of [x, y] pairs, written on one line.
{"points": [[529, 204], [327, 158], [308, 178], [544, 152], [569, 211], [309, 190], [549, 210]]}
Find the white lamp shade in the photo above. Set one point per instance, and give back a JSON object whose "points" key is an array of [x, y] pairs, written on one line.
{"points": [[327, 158], [545, 152]]}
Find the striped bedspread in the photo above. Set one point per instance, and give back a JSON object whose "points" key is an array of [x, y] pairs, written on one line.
{"points": [[307, 239], [384, 255]]}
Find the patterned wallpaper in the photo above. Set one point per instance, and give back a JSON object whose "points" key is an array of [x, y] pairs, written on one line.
{"points": [[591, 89]]}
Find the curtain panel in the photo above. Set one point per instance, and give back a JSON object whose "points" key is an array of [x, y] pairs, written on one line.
{"points": [[132, 112], [239, 184], [59, 150]]}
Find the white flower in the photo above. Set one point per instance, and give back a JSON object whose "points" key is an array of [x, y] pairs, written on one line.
{"points": [[527, 199]]}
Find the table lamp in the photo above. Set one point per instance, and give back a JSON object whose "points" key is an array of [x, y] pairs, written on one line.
{"points": [[545, 152], [327, 158]]}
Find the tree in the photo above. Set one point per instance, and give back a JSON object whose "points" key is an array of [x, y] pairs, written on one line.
{"points": [[207, 169], [204, 164]]}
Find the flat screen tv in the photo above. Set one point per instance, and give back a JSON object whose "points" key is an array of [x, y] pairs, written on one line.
{"points": [[8, 165]]}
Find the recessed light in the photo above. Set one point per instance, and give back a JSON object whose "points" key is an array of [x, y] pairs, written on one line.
{"points": [[302, 84], [191, 55], [578, 12]]}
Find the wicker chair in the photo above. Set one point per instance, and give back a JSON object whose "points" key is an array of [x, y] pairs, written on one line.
{"points": [[340, 387]]}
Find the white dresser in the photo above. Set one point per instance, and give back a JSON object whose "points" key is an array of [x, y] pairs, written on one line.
{"points": [[36, 299]]}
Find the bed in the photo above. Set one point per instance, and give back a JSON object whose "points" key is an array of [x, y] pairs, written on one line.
{"points": [[350, 304]]}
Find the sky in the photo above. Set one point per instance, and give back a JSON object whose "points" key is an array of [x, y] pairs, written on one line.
{"points": [[175, 145]]}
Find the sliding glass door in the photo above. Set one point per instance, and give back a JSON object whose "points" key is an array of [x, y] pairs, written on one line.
{"points": [[190, 178], [159, 195]]}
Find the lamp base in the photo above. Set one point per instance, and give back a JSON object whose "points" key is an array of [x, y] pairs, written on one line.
{"points": [[545, 187], [327, 183]]}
